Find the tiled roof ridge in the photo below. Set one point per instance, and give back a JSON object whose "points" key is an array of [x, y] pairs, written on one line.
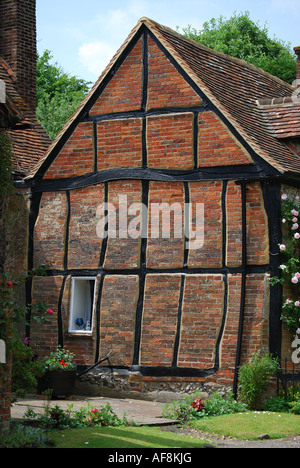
{"points": [[175, 44], [236, 60], [277, 102]]}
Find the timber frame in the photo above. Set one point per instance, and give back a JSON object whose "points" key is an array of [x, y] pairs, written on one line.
{"points": [[260, 171]]}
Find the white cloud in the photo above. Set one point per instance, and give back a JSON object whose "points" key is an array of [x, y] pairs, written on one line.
{"points": [[95, 56], [108, 31]]}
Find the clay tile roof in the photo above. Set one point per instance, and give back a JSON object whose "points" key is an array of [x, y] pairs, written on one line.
{"points": [[234, 86], [230, 84], [282, 116], [29, 139]]}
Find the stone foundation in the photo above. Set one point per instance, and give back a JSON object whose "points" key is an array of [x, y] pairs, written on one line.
{"points": [[134, 385]]}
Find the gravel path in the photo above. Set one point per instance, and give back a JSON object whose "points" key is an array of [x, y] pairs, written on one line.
{"points": [[287, 442]]}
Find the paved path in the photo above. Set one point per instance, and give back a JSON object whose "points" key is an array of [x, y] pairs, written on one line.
{"points": [[140, 411]]}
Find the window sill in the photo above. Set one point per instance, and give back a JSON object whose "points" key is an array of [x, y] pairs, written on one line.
{"points": [[80, 333]]}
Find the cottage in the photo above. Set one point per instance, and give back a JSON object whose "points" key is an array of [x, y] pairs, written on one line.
{"points": [[157, 210]]}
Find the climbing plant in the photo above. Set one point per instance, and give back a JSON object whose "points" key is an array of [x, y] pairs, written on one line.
{"points": [[6, 187], [290, 266]]}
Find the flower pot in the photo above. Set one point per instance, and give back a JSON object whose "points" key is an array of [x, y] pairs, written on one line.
{"points": [[60, 382]]}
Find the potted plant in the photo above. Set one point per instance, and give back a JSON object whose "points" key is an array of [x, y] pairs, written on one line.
{"points": [[60, 374]]}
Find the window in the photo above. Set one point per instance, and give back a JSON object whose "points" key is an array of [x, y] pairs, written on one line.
{"points": [[82, 305]]}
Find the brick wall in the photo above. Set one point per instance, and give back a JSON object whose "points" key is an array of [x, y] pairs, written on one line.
{"points": [[18, 44], [160, 306]]}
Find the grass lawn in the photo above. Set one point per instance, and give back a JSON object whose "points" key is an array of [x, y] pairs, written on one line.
{"points": [[248, 426], [122, 437]]}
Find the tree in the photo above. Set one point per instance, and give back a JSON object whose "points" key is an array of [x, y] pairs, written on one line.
{"points": [[241, 37], [58, 94]]}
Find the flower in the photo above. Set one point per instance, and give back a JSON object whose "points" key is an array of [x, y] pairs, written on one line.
{"points": [[26, 340], [284, 220], [298, 331], [297, 303], [283, 267], [297, 235], [295, 219], [295, 212], [9, 284], [295, 226], [284, 196], [50, 311], [282, 247], [295, 280], [60, 360]]}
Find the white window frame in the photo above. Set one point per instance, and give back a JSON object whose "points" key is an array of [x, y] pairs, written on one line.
{"points": [[73, 328]]}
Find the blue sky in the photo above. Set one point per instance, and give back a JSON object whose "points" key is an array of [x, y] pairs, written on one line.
{"points": [[84, 35]]}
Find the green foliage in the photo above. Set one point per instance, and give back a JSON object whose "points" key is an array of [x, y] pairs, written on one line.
{"points": [[26, 370], [253, 379], [58, 94], [24, 437], [6, 186], [241, 37], [5, 164], [216, 405], [277, 404], [60, 360], [285, 402], [57, 418]]}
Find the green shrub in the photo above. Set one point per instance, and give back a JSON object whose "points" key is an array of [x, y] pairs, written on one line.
{"points": [[253, 379], [277, 405], [216, 405], [22, 436], [295, 407], [57, 418]]}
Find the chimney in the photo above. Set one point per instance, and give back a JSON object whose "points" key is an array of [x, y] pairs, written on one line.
{"points": [[297, 52], [18, 45]]}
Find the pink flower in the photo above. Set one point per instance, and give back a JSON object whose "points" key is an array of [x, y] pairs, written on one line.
{"points": [[298, 331], [284, 196], [295, 219], [297, 303], [295, 212], [50, 311], [9, 284], [282, 247], [297, 275], [284, 220], [295, 280], [295, 226], [297, 235]]}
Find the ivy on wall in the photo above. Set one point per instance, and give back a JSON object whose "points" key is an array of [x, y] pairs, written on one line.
{"points": [[6, 186]]}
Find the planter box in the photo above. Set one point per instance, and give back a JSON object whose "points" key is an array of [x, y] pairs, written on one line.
{"points": [[60, 382]]}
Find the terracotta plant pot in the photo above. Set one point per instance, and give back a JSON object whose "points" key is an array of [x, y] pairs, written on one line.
{"points": [[60, 382]]}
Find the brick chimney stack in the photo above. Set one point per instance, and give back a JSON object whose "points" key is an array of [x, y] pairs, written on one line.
{"points": [[297, 52], [18, 44]]}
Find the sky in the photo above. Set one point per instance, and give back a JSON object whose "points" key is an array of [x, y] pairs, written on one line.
{"points": [[84, 35]]}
